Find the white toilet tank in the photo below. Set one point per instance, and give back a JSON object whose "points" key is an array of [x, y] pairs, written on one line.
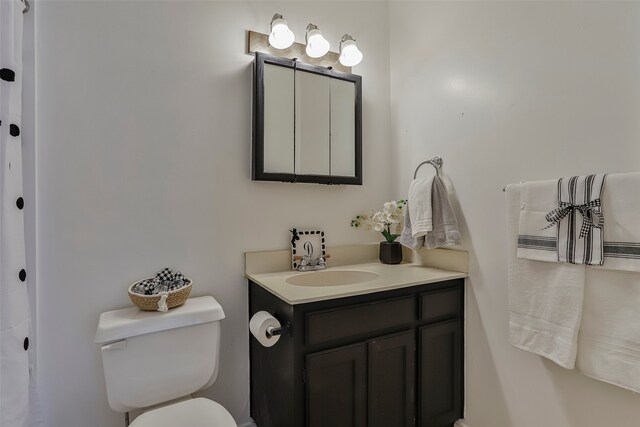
{"points": [[151, 357]]}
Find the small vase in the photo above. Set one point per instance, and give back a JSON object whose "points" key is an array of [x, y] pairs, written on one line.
{"points": [[390, 253]]}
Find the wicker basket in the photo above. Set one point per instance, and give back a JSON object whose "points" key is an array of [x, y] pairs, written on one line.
{"points": [[150, 302]]}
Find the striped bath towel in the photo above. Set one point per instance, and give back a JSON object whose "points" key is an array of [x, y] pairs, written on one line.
{"points": [[618, 241], [577, 315]]}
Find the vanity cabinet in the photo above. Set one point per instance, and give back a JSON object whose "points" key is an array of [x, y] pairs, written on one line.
{"points": [[385, 359]]}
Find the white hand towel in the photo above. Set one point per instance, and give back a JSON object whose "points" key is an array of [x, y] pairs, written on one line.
{"points": [[406, 238], [420, 209], [535, 242], [609, 341], [545, 299], [621, 207]]}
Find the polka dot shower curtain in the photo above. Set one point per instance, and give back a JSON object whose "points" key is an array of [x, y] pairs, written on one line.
{"points": [[14, 302]]}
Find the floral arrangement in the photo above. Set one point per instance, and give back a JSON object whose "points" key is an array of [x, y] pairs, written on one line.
{"points": [[383, 221]]}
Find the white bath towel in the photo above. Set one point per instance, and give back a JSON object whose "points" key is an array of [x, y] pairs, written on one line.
{"points": [[621, 207], [420, 209], [406, 237], [545, 299], [609, 340], [621, 204], [535, 242]]}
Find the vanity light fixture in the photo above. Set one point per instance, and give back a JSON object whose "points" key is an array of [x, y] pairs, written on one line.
{"points": [[317, 45], [281, 37], [350, 55], [280, 41]]}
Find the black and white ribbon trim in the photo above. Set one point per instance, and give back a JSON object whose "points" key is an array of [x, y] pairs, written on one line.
{"points": [[589, 211]]}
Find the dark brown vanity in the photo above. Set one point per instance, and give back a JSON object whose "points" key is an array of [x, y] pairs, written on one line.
{"points": [[386, 359]]}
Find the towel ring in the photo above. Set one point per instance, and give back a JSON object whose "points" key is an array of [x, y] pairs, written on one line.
{"points": [[436, 162]]}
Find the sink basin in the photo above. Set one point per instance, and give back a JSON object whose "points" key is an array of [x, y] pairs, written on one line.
{"points": [[332, 278]]}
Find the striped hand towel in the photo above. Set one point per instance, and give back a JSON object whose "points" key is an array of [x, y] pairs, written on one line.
{"points": [[580, 239]]}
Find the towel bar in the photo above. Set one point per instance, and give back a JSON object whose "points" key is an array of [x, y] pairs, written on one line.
{"points": [[436, 162], [505, 187]]}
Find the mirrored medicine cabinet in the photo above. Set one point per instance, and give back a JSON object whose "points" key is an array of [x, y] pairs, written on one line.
{"points": [[307, 123]]}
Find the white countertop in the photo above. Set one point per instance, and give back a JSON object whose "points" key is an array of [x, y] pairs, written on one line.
{"points": [[390, 277]]}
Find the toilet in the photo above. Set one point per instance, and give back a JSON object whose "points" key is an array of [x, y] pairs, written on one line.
{"points": [[154, 361]]}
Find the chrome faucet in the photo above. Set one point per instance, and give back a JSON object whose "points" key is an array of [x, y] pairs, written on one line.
{"points": [[308, 263]]}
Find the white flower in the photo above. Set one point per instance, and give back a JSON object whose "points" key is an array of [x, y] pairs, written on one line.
{"points": [[378, 217], [390, 207], [389, 218], [392, 219]]}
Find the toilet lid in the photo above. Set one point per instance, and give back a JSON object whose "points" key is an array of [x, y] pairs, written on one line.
{"points": [[198, 412]]}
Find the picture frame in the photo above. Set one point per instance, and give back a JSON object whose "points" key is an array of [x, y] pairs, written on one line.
{"points": [[309, 243]]}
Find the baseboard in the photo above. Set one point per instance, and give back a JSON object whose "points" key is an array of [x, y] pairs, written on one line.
{"points": [[461, 423], [250, 423]]}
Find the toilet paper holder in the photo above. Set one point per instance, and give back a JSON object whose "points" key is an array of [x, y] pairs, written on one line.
{"points": [[272, 331]]}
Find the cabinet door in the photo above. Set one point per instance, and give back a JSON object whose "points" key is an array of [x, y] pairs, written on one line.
{"points": [[441, 374], [336, 387], [392, 381]]}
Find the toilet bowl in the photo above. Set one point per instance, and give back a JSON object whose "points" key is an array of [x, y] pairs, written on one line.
{"points": [[151, 359]]}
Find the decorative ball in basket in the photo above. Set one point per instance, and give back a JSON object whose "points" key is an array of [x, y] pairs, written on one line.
{"points": [[160, 293]]}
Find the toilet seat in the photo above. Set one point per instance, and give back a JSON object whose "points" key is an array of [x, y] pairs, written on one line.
{"points": [[199, 412]]}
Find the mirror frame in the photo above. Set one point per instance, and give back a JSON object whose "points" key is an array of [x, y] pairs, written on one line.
{"points": [[257, 158]]}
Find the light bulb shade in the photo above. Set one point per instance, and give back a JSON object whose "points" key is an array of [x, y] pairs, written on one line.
{"points": [[317, 45], [281, 37], [350, 55]]}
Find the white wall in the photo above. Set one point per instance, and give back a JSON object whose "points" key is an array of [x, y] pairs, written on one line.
{"points": [[143, 134], [506, 92], [144, 130]]}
